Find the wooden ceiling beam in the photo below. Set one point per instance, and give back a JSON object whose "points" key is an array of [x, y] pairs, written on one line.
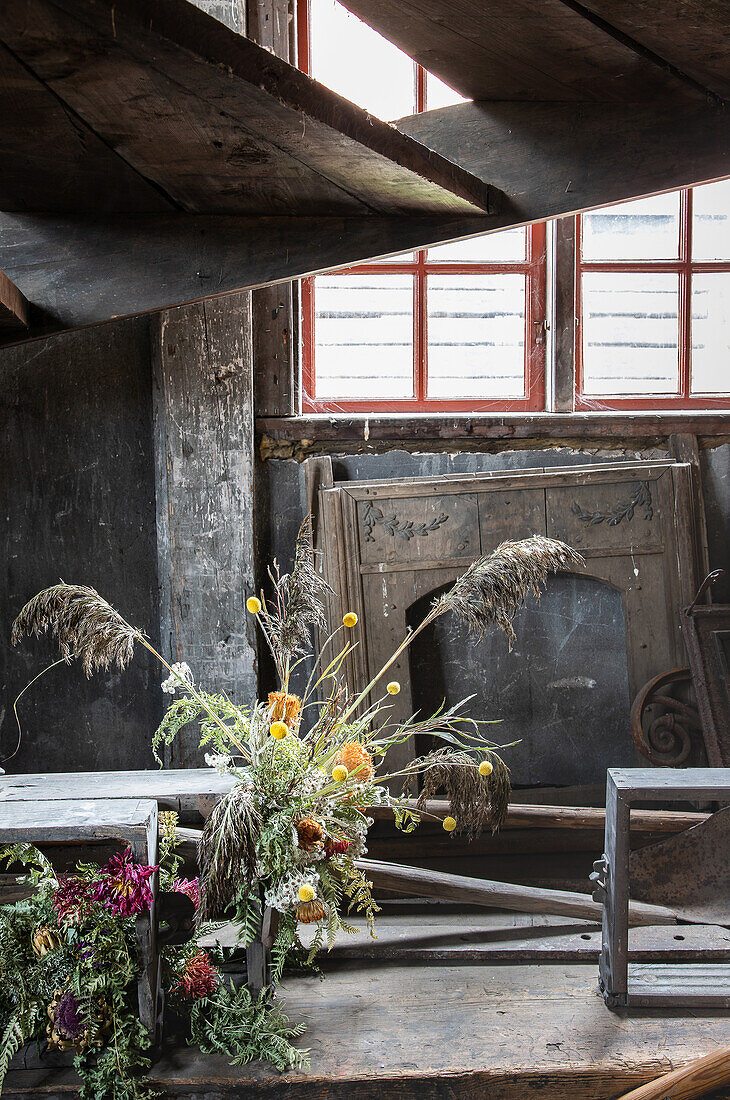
{"points": [[547, 159], [209, 119], [518, 50]]}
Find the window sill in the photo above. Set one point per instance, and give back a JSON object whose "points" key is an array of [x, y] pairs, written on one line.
{"points": [[324, 432]]}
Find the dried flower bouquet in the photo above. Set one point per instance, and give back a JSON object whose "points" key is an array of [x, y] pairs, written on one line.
{"points": [[307, 768]]}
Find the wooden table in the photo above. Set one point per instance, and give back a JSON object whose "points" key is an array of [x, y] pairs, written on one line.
{"points": [[192, 792]]}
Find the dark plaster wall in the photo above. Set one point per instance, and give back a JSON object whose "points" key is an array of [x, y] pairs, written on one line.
{"points": [[77, 502]]}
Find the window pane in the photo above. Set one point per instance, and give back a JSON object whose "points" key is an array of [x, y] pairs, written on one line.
{"points": [[630, 333], [439, 94], [711, 333], [504, 247], [711, 221], [647, 229], [363, 337], [356, 61], [476, 336]]}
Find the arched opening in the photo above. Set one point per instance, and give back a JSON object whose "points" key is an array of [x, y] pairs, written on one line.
{"points": [[563, 692]]}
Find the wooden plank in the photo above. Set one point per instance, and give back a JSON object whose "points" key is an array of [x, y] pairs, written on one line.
{"points": [[14, 308], [514, 50], [419, 882], [323, 434], [681, 985], [64, 165], [683, 447], [694, 1080], [502, 1031], [665, 784], [689, 34], [218, 122]]}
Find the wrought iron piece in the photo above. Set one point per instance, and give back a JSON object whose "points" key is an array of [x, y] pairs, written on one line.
{"points": [[670, 738], [689, 872]]}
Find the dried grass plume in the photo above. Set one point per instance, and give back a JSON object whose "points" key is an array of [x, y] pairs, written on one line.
{"points": [[86, 626]]}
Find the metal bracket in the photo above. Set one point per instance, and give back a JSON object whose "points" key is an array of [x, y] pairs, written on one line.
{"points": [[599, 878]]}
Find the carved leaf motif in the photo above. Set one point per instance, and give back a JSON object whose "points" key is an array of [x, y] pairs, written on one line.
{"points": [[624, 510], [403, 529]]}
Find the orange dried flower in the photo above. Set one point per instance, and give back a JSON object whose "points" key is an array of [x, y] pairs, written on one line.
{"points": [[354, 755], [284, 707], [310, 911], [309, 833]]}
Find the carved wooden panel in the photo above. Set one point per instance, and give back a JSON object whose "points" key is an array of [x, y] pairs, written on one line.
{"points": [[388, 544]]}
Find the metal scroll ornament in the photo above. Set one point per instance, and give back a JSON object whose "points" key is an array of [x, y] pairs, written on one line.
{"points": [[406, 529], [624, 510]]}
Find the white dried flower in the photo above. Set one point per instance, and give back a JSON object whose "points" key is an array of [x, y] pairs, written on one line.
{"points": [[172, 683], [221, 763]]}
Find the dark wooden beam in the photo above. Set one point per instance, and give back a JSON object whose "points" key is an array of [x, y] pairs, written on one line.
{"points": [[564, 315], [550, 159], [304, 435], [78, 271], [215, 122], [692, 35], [14, 308], [517, 50]]}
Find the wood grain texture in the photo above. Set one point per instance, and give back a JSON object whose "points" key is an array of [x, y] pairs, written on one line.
{"points": [[515, 50], [468, 1032], [217, 122], [14, 308], [204, 460], [694, 1080]]}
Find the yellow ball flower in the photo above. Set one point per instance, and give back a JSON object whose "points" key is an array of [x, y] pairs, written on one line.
{"points": [[350, 619], [449, 824], [393, 687], [253, 604], [340, 773], [485, 768], [278, 730], [306, 892]]}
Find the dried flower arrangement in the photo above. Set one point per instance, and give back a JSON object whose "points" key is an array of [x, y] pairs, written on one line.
{"points": [[68, 956], [307, 768]]}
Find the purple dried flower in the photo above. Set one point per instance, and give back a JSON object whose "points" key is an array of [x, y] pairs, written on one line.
{"points": [[67, 1017], [189, 886], [72, 898]]}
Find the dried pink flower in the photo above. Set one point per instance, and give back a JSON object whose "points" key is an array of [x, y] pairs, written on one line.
{"points": [[197, 978], [189, 886], [124, 888]]}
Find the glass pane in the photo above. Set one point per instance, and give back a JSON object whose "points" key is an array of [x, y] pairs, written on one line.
{"points": [[494, 248], [630, 331], [364, 337], [647, 229], [711, 333], [711, 221], [356, 61], [439, 94], [476, 336]]}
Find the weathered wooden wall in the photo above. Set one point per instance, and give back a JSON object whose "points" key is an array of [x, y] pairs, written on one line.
{"points": [[127, 464]]}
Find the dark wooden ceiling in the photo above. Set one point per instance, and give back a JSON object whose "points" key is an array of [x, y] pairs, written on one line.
{"points": [[124, 106], [151, 156], [561, 50]]}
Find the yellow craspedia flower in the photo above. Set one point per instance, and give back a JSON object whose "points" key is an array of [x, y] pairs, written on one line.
{"points": [[449, 824], [340, 773], [253, 604], [350, 619], [485, 768], [278, 730], [393, 687], [306, 892]]}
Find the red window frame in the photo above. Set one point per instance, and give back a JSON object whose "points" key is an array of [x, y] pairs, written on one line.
{"points": [[534, 268], [685, 267]]}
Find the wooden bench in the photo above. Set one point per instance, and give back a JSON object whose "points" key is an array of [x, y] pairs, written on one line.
{"points": [[131, 820]]}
